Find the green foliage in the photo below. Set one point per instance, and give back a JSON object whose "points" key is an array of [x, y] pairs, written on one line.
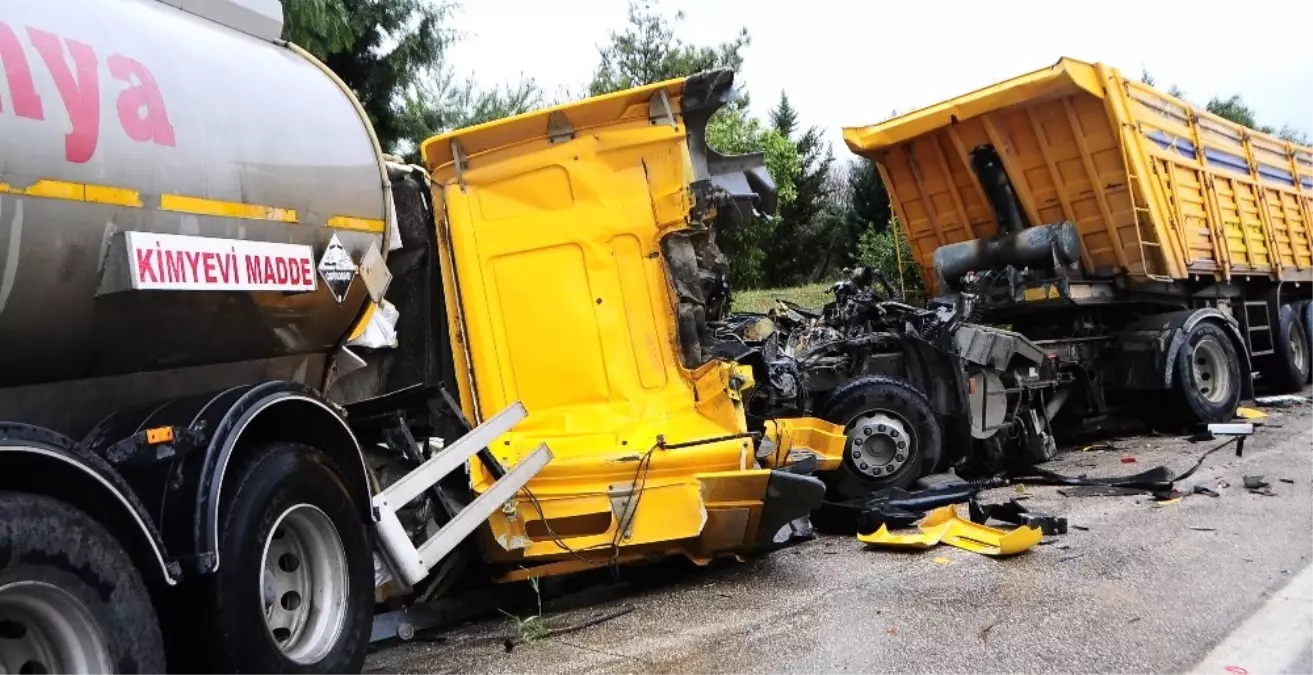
{"points": [[443, 103], [1234, 109], [647, 51], [762, 300], [391, 53], [1293, 135], [883, 249], [784, 117], [733, 131], [320, 27]]}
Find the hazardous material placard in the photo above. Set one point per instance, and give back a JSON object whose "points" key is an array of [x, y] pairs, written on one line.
{"points": [[185, 263], [337, 268]]}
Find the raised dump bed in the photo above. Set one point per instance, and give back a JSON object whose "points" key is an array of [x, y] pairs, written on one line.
{"points": [[1156, 188]]}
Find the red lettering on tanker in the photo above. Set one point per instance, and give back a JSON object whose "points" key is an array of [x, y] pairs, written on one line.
{"points": [[75, 71], [178, 262]]}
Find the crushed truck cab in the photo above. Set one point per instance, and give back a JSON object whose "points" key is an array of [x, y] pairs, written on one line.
{"points": [[579, 265]]}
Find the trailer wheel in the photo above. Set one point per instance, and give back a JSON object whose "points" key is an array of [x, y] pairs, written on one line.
{"points": [[71, 600], [1207, 376], [1287, 369], [894, 436], [1304, 311], [294, 589]]}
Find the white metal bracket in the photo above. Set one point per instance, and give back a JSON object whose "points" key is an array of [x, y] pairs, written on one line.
{"points": [[412, 564]]}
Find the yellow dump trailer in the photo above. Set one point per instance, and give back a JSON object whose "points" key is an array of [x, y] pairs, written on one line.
{"points": [[1083, 204]]}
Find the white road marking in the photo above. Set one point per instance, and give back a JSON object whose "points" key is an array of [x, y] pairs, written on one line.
{"points": [[1275, 639]]}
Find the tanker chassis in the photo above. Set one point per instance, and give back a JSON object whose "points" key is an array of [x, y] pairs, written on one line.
{"points": [[229, 326]]}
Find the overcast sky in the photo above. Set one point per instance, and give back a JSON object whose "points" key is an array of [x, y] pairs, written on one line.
{"points": [[852, 63]]}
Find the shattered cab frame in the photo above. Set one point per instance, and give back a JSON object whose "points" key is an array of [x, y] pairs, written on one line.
{"points": [[580, 270], [916, 390]]}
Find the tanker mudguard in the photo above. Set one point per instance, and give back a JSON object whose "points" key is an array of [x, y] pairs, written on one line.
{"points": [[178, 454], [57, 466], [1158, 338]]}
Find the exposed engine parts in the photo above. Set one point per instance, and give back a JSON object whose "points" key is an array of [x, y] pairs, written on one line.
{"points": [[917, 363]]}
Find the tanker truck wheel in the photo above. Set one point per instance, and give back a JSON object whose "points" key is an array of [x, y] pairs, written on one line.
{"points": [[71, 600], [1205, 379], [295, 586], [894, 436], [1287, 369]]}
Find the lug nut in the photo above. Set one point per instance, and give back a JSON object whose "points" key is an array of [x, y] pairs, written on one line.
{"points": [[899, 458], [889, 468], [866, 430], [863, 466], [901, 445], [880, 428], [857, 455], [857, 441], [876, 471], [893, 433]]}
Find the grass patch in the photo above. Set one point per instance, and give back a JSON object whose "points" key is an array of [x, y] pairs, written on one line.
{"points": [[812, 296]]}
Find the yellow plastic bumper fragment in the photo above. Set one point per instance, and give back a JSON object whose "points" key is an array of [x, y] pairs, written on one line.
{"points": [[943, 525]]}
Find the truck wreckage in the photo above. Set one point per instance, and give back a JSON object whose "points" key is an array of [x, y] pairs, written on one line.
{"points": [[917, 390]]}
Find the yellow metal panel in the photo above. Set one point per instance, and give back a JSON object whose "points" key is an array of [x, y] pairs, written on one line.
{"points": [[632, 264], [1066, 77], [78, 192], [215, 207], [1154, 186], [373, 225], [554, 249]]}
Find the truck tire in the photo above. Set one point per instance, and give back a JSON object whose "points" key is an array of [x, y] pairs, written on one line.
{"points": [[1287, 370], [1304, 312], [295, 587], [71, 600], [1205, 379], [894, 436]]}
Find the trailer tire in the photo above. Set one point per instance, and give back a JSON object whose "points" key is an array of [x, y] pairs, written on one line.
{"points": [[1287, 369], [886, 410], [291, 539], [70, 593], [1304, 313], [1206, 379]]}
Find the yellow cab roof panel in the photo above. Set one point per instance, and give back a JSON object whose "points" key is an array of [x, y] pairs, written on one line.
{"points": [[1063, 78], [583, 114]]}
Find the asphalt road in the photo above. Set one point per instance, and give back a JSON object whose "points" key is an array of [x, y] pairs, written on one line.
{"points": [[1143, 587]]}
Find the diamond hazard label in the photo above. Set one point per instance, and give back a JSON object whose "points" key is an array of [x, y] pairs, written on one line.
{"points": [[337, 269]]}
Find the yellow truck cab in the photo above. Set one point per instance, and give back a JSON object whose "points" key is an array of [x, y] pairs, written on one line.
{"points": [[578, 257]]}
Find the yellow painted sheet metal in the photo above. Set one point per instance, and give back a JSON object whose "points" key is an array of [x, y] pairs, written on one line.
{"points": [[558, 298], [1155, 187], [796, 437], [215, 207], [79, 192], [944, 525]]}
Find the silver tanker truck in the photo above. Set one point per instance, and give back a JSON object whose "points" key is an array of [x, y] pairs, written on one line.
{"points": [[229, 325], [194, 217]]}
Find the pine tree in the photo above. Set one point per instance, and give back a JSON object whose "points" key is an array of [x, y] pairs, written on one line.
{"points": [[784, 118]]}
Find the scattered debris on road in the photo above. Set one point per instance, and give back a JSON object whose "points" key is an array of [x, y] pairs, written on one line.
{"points": [[1283, 401], [944, 525]]}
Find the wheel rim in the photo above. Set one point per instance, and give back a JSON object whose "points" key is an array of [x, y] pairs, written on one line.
{"points": [[1298, 348], [879, 443], [46, 629], [304, 584], [1212, 377]]}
